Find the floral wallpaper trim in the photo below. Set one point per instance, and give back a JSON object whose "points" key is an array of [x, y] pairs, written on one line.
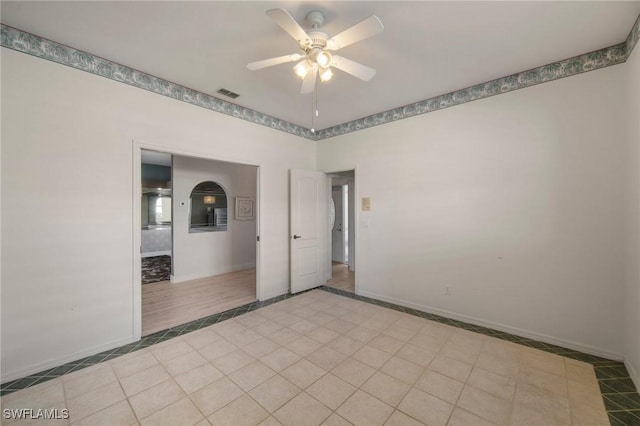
{"points": [[21, 41], [24, 42]]}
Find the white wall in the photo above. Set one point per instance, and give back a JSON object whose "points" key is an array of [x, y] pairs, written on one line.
{"points": [[632, 223], [513, 201], [204, 254], [67, 202]]}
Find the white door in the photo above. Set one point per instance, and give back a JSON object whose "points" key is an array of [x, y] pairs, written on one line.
{"points": [[307, 240], [337, 233]]}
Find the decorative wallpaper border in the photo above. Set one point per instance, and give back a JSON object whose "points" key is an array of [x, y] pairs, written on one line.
{"points": [[24, 42]]}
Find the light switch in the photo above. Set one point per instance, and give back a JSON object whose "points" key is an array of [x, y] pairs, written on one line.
{"points": [[366, 204]]}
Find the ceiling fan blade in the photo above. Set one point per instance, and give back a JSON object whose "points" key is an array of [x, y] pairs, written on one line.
{"points": [[356, 69], [287, 23], [363, 29], [273, 61], [309, 82]]}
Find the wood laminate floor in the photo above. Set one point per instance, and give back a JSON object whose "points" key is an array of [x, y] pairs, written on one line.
{"points": [[166, 305], [342, 277]]}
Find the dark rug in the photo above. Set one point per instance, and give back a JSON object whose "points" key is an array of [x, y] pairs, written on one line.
{"points": [[156, 269]]}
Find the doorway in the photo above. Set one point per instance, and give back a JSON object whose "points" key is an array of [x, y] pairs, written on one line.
{"points": [[342, 218], [212, 261]]}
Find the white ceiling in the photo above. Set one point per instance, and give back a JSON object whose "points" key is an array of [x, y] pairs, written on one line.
{"points": [[427, 48]]}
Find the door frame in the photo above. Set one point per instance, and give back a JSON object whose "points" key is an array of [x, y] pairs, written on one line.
{"points": [[137, 147], [353, 242]]}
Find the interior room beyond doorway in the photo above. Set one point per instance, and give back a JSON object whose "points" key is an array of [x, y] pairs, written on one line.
{"points": [[342, 215]]}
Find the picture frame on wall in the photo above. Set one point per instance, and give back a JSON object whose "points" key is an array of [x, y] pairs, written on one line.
{"points": [[245, 208]]}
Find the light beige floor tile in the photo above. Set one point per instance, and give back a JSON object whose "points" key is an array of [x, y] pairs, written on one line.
{"points": [[402, 369], [303, 346], [323, 335], [335, 420], [132, 363], [270, 421], [326, 358], [303, 326], [485, 405], [353, 371], [80, 382], [303, 373], [340, 326], [192, 380], [331, 391], [386, 343], [170, 349], [217, 349], [508, 351], [468, 339], [287, 319], [544, 361], [547, 403], [203, 422], [461, 417], [267, 328], [47, 394], [426, 408], [117, 414], [400, 333], [398, 418], [244, 411], [461, 353], [201, 338], [96, 400], [345, 345], [542, 380], [250, 320], [363, 409], [156, 398], [585, 394], [441, 386], [495, 384], [216, 395], [280, 359], [362, 334], [228, 328], [232, 361], [251, 375], [244, 338], [501, 365], [386, 388], [451, 367], [182, 412], [371, 356], [274, 393], [182, 363], [411, 322], [427, 341], [261, 347], [587, 415], [523, 415], [303, 410], [144, 379], [416, 354], [285, 336], [579, 371]]}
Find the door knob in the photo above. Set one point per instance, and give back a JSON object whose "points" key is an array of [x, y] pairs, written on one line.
{"points": [[295, 237]]}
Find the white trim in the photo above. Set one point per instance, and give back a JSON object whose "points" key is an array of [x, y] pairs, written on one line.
{"points": [[570, 344], [156, 253], [36, 368], [633, 373]]}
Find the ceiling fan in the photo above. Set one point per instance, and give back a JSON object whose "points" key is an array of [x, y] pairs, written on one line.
{"points": [[316, 46]]}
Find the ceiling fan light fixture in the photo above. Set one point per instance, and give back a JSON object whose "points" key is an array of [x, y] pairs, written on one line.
{"points": [[302, 69], [323, 58], [325, 75]]}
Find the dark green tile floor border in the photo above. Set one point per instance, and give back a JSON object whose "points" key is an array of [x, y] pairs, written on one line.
{"points": [[619, 393]]}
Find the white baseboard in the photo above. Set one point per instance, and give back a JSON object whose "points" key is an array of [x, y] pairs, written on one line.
{"points": [[502, 327], [36, 368], [633, 374], [156, 253]]}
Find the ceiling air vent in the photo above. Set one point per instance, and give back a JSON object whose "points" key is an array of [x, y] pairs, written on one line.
{"points": [[228, 93]]}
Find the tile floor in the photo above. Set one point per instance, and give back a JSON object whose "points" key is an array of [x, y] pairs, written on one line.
{"points": [[323, 358], [342, 278]]}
